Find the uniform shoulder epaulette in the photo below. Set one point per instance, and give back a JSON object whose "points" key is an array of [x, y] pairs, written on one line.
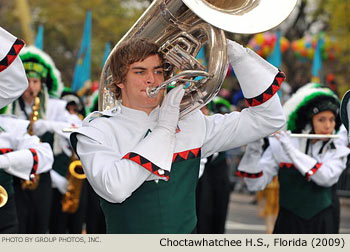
{"points": [[97, 114]]}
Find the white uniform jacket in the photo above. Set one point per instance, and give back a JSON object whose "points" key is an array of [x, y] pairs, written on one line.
{"points": [[13, 79], [122, 148], [23, 155], [322, 166]]}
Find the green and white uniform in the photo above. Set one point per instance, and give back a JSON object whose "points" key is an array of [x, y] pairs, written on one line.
{"points": [[147, 175]]}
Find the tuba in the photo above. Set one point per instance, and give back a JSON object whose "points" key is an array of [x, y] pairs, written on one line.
{"points": [[181, 28], [3, 196], [75, 177]]}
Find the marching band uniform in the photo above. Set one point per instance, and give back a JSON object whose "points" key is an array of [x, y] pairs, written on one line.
{"points": [[146, 175], [306, 170], [22, 156], [63, 222], [33, 206], [13, 80]]}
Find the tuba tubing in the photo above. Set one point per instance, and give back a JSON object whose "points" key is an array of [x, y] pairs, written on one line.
{"points": [[179, 31], [177, 28]]}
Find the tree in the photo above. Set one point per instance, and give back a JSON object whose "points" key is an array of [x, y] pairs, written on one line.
{"points": [[63, 22]]}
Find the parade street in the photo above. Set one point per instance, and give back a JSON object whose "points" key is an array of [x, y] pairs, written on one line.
{"points": [[243, 218]]}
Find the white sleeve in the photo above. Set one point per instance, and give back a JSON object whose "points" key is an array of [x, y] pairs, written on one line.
{"points": [[112, 177], [269, 167], [31, 157], [330, 170], [42, 126], [18, 163], [252, 155], [13, 79], [13, 82], [224, 132]]}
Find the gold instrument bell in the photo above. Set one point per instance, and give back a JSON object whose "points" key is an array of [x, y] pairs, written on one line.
{"points": [[3, 196], [75, 178]]}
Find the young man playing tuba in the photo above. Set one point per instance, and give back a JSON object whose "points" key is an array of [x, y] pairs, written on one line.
{"points": [[143, 160]]}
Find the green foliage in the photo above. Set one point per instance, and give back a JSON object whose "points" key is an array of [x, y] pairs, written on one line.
{"points": [[339, 26]]}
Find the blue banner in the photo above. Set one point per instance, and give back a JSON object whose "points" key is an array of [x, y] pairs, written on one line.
{"points": [[276, 57], [317, 61], [106, 53], [82, 71], [39, 40]]}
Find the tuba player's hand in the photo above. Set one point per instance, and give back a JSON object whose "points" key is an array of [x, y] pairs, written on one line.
{"points": [[170, 109]]}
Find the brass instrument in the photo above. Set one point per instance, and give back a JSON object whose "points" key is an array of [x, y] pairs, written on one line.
{"points": [[181, 28], [75, 178], [34, 116], [3, 196]]}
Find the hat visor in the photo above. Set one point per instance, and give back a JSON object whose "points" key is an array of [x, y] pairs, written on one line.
{"points": [[344, 117]]}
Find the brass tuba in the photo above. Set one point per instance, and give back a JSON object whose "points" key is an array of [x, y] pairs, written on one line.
{"points": [[181, 28], [75, 177], [3, 196]]}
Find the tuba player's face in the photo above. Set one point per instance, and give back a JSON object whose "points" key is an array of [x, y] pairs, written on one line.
{"points": [[140, 75]]}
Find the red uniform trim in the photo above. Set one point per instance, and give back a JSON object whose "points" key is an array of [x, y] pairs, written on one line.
{"points": [[177, 157], [12, 54], [268, 93], [249, 175]]}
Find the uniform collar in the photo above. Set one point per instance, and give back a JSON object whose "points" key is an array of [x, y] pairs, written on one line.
{"points": [[140, 114]]}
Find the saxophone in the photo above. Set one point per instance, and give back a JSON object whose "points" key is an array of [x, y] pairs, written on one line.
{"points": [[75, 177], [34, 116]]}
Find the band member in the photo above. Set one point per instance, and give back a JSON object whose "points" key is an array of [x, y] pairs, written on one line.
{"points": [[65, 219], [13, 80], [143, 160], [23, 156], [213, 188], [33, 204], [307, 169]]}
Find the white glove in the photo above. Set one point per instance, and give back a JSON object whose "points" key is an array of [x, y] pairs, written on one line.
{"points": [[170, 109], [41, 126], [301, 161], [284, 139], [59, 182]]}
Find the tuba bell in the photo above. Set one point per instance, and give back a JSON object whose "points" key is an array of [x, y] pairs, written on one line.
{"points": [[182, 28], [3, 196]]}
